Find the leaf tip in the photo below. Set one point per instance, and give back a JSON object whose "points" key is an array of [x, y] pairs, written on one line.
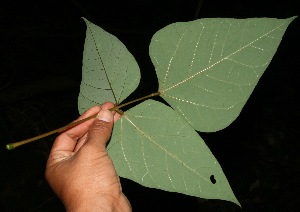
{"points": [[85, 20], [292, 18], [234, 200]]}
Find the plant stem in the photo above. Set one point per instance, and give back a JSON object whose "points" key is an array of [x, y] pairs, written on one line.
{"points": [[136, 100], [11, 146]]}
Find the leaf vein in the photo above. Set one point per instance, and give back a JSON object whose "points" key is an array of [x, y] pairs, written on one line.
{"points": [[221, 60]]}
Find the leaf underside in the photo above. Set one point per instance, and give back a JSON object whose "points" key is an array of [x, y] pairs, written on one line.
{"points": [[109, 71], [154, 146], [208, 68]]}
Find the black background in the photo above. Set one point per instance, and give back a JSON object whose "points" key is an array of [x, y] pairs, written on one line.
{"points": [[41, 44]]}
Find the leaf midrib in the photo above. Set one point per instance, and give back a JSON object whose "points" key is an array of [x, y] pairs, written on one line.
{"points": [[163, 149], [214, 64]]}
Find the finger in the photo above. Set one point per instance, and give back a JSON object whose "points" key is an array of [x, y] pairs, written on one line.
{"points": [[67, 140], [106, 105], [116, 116], [82, 140], [100, 131], [109, 105]]}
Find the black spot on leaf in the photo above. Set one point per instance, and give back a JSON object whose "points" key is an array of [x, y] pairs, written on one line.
{"points": [[212, 179]]}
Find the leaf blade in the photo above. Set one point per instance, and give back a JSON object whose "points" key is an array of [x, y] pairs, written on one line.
{"points": [[153, 146], [211, 66], [109, 71]]}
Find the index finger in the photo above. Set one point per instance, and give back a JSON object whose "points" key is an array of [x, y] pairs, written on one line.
{"points": [[68, 139]]}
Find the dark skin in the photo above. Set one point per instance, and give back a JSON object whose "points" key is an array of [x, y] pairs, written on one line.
{"points": [[80, 171]]}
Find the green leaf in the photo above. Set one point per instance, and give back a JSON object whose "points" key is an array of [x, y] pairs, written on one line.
{"points": [[208, 68], [154, 146], [109, 71]]}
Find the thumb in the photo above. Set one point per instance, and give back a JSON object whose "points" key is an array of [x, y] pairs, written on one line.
{"points": [[100, 131]]}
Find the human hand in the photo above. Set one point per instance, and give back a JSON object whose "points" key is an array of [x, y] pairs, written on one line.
{"points": [[79, 169]]}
